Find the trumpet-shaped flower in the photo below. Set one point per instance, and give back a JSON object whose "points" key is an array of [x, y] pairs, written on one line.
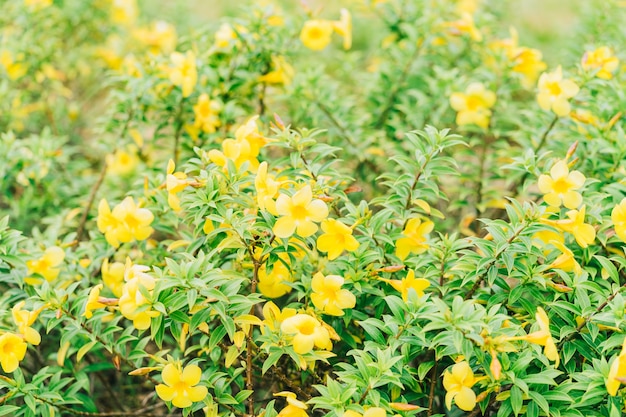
{"points": [[307, 333], [266, 189], [465, 26], [575, 224], [93, 302], [560, 186], [12, 351], [47, 266], [181, 387], [281, 74], [344, 28], [113, 276], [272, 284], [299, 213], [124, 12], [407, 283], [473, 106], [617, 373], [244, 148], [249, 131], [528, 62], [601, 60], [542, 336], [23, 320], [125, 223], [458, 383], [566, 260], [337, 237], [414, 241], [329, 297], [122, 162], [184, 73], [13, 68], [294, 407], [133, 304], [175, 182], [160, 37], [225, 37], [206, 113], [316, 34], [274, 316], [554, 92], [618, 216]]}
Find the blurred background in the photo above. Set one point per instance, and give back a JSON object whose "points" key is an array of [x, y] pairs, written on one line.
{"points": [[549, 25]]}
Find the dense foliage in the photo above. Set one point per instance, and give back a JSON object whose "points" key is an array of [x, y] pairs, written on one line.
{"points": [[265, 216]]}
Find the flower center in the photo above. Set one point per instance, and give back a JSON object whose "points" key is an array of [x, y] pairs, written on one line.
{"points": [[561, 186], [315, 33], [307, 328], [299, 213], [474, 103], [554, 88]]}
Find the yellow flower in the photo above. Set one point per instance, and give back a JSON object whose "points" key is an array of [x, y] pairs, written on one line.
{"points": [[307, 333], [225, 36], [542, 337], [125, 223], [249, 131], [132, 302], [575, 224], [238, 151], [407, 283], [38, 4], [282, 72], [316, 34], [465, 25], [23, 320], [175, 182], [294, 407], [554, 92], [528, 62], [617, 373], [12, 351], [344, 28], [414, 240], [337, 237], [266, 189], [566, 261], [601, 60], [159, 38], [122, 162], [299, 213], [206, 114], [113, 276], [274, 317], [181, 388], [47, 266], [184, 73], [92, 301], [273, 285], [328, 296], [458, 384], [124, 12], [559, 187], [13, 69], [618, 216], [473, 105]]}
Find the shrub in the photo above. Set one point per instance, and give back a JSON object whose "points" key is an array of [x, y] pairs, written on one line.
{"points": [[267, 216]]}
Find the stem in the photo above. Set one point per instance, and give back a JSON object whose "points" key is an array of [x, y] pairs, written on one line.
{"points": [[540, 145], [249, 382], [92, 196], [398, 84], [308, 167], [481, 277], [433, 384], [179, 129], [342, 129]]}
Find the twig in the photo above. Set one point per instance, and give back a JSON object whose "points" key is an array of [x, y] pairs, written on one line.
{"points": [[433, 384], [398, 85], [92, 197], [342, 129]]}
